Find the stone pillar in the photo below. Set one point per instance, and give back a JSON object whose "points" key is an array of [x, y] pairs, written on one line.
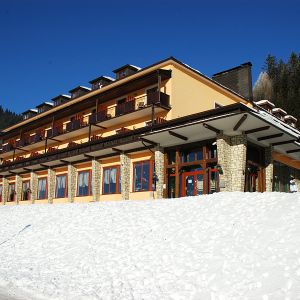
{"points": [[71, 182], [125, 176], [223, 149], [51, 185], [159, 172], [232, 158], [96, 180], [4, 189], [269, 168], [33, 186], [238, 162], [18, 188]]}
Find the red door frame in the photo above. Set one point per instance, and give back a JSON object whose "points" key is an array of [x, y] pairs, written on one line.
{"points": [[192, 173]]}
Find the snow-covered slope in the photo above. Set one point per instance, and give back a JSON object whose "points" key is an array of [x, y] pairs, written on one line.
{"points": [[223, 246]]}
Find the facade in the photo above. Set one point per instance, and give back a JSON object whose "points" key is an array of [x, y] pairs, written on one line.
{"points": [[162, 131]]}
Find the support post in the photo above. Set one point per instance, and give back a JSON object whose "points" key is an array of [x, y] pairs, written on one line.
{"points": [[33, 186], [4, 189], [51, 185], [18, 189], [269, 168], [125, 176], [71, 182], [159, 172], [96, 180]]}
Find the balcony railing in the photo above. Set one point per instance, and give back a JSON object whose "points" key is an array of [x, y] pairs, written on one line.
{"points": [[99, 117], [55, 131], [35, 138], [158, 98], [73, 125], [125, 108]]}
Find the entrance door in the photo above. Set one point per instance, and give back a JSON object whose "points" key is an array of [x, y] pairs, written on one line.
{"points": [[192, 183]]}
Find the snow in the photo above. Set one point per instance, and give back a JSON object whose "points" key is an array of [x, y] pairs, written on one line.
{"points": [[222, 246]]}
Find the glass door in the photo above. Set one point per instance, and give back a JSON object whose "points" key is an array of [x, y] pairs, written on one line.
{"points": [[25, 190], [192, 183]]}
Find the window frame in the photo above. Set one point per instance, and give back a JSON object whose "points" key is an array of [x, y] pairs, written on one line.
{"points": [[89, 183], [118, 184], [66, 187], [151, 172], [46, 195]]}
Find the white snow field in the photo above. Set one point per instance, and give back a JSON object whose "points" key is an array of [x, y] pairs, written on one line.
{"points": [[222, 246]]}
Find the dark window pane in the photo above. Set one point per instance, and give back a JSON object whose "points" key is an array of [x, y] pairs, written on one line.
{"points": [[145, 176], [137, 177]]}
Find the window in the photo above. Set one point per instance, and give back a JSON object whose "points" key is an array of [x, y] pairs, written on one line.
{"points": [[191, 155], [11, 192], [143, 176], [61, 186], [111, 180], [42, 188], [1, 191], [84, 183], [25, 190], [211, 151]]}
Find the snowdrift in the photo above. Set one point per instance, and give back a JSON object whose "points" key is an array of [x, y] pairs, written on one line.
{"points": [[222, 246]]}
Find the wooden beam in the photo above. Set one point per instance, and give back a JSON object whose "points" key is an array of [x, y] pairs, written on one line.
{"points": [[283, 143], [148, 141], [117, 150], [88, 156], [293, 150], [209, 127], [179, 136], [65, 161], [13, 173], [21, 149], [26, 169], [240, 122], [268, 137], [102, 127], [55, 140], [45, 166], [257, 129]]}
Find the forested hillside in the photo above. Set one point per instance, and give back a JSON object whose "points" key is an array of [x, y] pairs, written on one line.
{"points": [[280, 83], [8, 118]]}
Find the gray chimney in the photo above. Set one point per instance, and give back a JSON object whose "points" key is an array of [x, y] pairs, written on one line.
{"points": [[238, 79]]}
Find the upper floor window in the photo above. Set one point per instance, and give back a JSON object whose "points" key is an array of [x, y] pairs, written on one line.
{"points": [[84, 187], [42, 188], [111, 180], [61, 186], [143, 172], [191, 155]]}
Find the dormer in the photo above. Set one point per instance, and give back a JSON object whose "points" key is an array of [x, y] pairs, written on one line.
{"points": [[79, 91], [44, 107], [61, 99], [101, 81], [279, 113], [29, 113], [125, 71], [266, 104], [290, 120]]}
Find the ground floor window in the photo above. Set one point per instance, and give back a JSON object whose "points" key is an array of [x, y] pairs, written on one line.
{"points": [[61, 190], [84, 187], [1, 191], [26, 190], [143, 172], [11, 192], [282, 177], [111, 180], [42, 188]]}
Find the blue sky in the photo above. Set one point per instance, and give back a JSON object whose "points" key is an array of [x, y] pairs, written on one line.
{"points": [[49, 47]]}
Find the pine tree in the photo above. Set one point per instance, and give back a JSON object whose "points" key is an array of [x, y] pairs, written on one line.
{"points": [[8, 118]]}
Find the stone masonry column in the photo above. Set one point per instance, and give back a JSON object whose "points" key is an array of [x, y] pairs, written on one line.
{"points": [[96, 179], [18, 188], [269, 169], [71, 182], [232, 158], [51, 185], [238, 147], [5, 189], [125, 176], [160, 172], [33, 186], [223, 149]]}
